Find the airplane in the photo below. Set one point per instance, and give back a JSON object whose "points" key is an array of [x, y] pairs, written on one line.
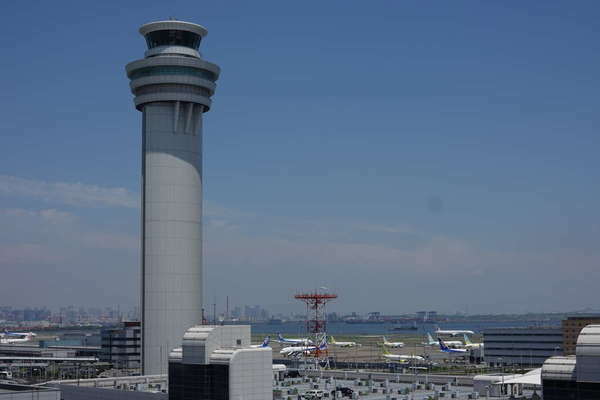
{"points": [[400, 357], [296, 351], [15, 337], [430, 341], [470, 345], [453, 332], [393, 345], [265, 343], [455, 344], [447, 349], [342, 344], [302, 341]]}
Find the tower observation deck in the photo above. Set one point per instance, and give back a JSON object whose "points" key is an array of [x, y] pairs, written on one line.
{"points": [[172, 87]]}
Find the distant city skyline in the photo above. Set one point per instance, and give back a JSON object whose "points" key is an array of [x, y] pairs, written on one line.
{"points": [[406, 157]]}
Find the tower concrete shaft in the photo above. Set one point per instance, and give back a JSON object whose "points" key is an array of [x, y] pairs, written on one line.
{"points": [[172, 86]]}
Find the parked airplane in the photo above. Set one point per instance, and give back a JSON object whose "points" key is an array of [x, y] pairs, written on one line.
{"points": [[294, 341], [342, 344], [393, 345], [400, 357], [16, 337], [302, 341], [453, 332], [265, 343], [455, 344], [470, 345], [447, 349], [295, 351]]}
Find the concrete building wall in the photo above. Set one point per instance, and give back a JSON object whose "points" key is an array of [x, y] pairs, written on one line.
{"points": [[218, 361], [251, 374], [172, 212]]}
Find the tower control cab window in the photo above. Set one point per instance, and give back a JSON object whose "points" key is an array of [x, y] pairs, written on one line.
{"points": [[173, 38]]}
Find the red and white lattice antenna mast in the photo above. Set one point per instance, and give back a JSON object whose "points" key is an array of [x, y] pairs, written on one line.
{"points": [[316, 318]]}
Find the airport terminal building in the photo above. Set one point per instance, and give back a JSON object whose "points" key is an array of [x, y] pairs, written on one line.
{"points": [[522, 346]]}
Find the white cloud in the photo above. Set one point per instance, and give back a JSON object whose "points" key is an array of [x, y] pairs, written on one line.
{"points": [[263, 252], [77, 194], [62, 258], [47, 215], [40, 235]]}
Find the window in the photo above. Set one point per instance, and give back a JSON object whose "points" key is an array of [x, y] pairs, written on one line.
{"points": [[173, 38]]}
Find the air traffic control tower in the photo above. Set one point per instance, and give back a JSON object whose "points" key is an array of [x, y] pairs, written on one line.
{"points": [[172, 86]]}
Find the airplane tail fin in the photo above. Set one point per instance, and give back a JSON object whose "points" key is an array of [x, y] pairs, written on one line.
{"points": [[442, 345], [323, 345], [332, 339], [280, 337], [467, 340], [385, 341], [430, 339], [265, 342]]}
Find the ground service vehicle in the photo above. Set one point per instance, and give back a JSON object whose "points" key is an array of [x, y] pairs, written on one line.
{"points": [[313, 394]]}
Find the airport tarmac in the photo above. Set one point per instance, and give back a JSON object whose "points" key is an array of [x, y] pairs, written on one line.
{"points": [[370, 348]]}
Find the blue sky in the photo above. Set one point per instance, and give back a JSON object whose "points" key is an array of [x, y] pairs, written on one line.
{"points": [[406, 154]]}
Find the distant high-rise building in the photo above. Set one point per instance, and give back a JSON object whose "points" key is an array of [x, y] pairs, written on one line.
{"points": [[432, 316], [121, 346], [172, 86]]}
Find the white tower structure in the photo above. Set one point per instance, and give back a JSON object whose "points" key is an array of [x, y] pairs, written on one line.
{"points": [[172, 86]]}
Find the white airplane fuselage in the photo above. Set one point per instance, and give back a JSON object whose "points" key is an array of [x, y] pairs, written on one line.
{"points": [[453, 332], [297, 350], [344, 344], [444, 348], [402, 357], [16, 337], [300, 350], [454, 344], [300, 341], [393, 345]]}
